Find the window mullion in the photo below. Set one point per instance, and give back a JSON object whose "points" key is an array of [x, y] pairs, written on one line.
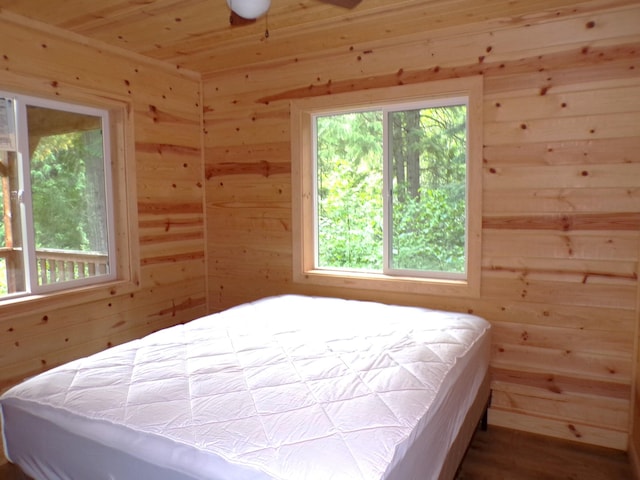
{"points": [[387, 186], [24, 197]]}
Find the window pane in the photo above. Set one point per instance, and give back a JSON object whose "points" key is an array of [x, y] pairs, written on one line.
{"points": [[428, 152], [349, 189], [12, 278], [68, 194]]}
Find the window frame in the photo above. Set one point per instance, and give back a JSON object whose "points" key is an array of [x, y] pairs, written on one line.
{"points": [[23, 102], [123, 242], [303, 112]]}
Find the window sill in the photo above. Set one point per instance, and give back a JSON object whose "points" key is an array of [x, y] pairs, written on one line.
{"points": [[34, 304], [379, 281]]}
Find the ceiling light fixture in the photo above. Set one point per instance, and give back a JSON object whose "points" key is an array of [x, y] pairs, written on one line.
{"points": [[249, 9]]}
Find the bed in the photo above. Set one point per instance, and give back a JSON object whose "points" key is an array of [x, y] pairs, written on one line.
{"points": [[287, 387]]}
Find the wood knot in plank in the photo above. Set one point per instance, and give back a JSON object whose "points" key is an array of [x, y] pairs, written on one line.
{"points": [[574, 430]]}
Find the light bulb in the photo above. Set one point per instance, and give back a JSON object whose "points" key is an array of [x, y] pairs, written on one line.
{"points": [[250, 9]]}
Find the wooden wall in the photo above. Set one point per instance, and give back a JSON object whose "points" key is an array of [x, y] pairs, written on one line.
{"points": [[561, 196], [168, 179]]}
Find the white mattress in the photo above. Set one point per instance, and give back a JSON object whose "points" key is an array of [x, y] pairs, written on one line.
{"points": [[287, 387]]}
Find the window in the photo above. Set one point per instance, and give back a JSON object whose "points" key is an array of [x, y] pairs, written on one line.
{"points": [[387, 188], [58, 230]]}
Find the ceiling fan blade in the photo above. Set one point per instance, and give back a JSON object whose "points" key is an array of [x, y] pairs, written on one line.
{"points": [[343, 3], [236, 20]]}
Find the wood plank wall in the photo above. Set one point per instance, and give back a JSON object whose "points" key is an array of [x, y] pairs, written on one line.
{"points": [[561, 196], [168, 163]]}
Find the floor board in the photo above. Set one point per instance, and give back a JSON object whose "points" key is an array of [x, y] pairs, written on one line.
{"points": [[501, 454]]}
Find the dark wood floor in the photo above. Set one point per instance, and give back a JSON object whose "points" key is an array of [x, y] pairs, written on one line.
{"points": [[501, 454], [510, 455]]}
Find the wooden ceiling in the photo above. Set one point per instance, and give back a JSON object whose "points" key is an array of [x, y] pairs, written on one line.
{"points": [[196, 34]]}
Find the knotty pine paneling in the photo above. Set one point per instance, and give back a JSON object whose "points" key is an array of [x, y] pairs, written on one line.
{"points": [[168, 180], [561, 196], [410, 20]]}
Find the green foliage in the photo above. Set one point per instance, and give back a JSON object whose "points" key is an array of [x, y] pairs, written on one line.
{"points": [[349, 158], [57, 183], [428, 182], [67, 179], [429, 232]]}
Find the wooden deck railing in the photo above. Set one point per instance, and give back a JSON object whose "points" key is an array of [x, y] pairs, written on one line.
{"points": [[53, 266], [56, 266]]}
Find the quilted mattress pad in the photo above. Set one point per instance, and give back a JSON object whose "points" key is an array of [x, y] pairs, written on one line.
{"points": [[287, 387]]}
